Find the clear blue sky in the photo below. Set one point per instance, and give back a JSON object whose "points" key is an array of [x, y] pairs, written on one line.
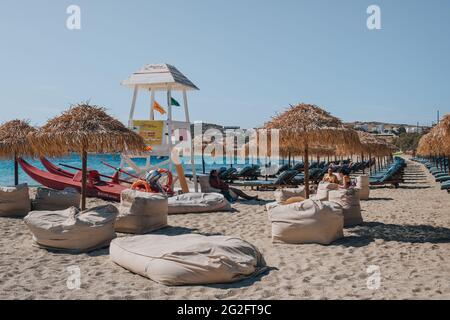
{"points": [[250, 58]]}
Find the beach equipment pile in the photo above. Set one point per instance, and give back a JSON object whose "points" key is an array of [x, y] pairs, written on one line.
{"points": [[141, 212], [187, 259]]}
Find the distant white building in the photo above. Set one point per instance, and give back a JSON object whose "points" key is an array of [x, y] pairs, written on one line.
{"points": [[364, 127], [414, 129]]}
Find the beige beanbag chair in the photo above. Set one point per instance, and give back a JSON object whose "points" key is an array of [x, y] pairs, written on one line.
{"points": [[141, 212], [14, 201], [271, 205], [281, 195], [73, 230], [187, 259], [309, 221], [323, 189], [53, 200], [198, 203], [349, 200], [362, 184]]}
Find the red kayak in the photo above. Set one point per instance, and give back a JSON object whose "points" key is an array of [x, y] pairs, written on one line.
{"points": [[61, 172], [95, 186], [54, 169]]}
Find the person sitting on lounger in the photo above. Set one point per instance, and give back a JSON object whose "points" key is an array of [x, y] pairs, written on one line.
{"points": [[330, 177], [225, 189], [345, 178]]}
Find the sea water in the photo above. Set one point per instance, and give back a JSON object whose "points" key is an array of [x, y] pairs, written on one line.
{"points": [[95, 163]]}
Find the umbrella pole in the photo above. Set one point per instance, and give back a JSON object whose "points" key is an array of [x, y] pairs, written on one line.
{"points": [[362, 160], [83, 180], [203, 162], [16, 171], [306, 182]]}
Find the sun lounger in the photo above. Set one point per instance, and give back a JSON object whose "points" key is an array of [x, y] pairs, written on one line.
{"points": [[443, 178], [284, 180], [228, 174], [446, 186]]}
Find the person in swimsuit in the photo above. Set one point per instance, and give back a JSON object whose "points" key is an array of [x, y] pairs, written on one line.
{"points": [[217, 183]]}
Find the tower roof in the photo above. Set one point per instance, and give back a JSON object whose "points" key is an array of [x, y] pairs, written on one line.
{"points": [[159, 77]]}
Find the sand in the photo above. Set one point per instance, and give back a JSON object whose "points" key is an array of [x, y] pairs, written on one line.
{"points": [[405, 236]]}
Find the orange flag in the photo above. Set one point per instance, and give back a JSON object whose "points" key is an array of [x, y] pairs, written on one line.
{"points": [[158, 108]]}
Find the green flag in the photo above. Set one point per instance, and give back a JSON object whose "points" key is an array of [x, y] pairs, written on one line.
{"points": [[174, 102]]}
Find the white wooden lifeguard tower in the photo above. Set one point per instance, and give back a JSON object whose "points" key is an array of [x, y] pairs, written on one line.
{"points": [[161, 135]]}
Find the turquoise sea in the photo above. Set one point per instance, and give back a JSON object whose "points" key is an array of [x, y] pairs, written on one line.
{"points": [[95, 163]]}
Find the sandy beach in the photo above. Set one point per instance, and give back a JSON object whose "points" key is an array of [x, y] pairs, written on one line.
{"points": [[406, 234]]}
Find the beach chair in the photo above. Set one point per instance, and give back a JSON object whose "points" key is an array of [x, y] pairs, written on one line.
{"points": [[283, 180], [446, 186], [392, 176], [443, 178], [228, 174], [298, 166], [283, 168]]}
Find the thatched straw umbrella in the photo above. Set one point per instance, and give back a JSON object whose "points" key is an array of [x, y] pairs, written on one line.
{"points": [[443, 133], [85, 128], [429, 145], [306, 125], [14, 143], [436, 143]]}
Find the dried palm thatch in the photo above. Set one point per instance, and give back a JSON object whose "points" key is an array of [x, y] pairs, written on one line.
{"points": [[431, 144], [442, 131], [306, 125], [14, 142], [13, 139], [84, 128], [370, 144], [284, 151]]}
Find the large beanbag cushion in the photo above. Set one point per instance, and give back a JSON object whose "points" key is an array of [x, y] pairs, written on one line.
{"points": [[14, 201], [53, 200], [281, 195], [73, 230], [271, 205], [349, 200], [362, 184], [187, 259], [309, 221], [323, 189], [198, 203], [141, 212]]}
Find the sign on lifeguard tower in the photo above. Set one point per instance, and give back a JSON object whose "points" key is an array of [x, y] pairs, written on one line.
{"points": [[150, 130], [162, 134]]}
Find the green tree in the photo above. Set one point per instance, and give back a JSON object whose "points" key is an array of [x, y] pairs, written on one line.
{"points": [[401, 130], [407, 141]]}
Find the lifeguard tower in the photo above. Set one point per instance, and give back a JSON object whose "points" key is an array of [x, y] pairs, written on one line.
{"points": [[161, 135]]}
